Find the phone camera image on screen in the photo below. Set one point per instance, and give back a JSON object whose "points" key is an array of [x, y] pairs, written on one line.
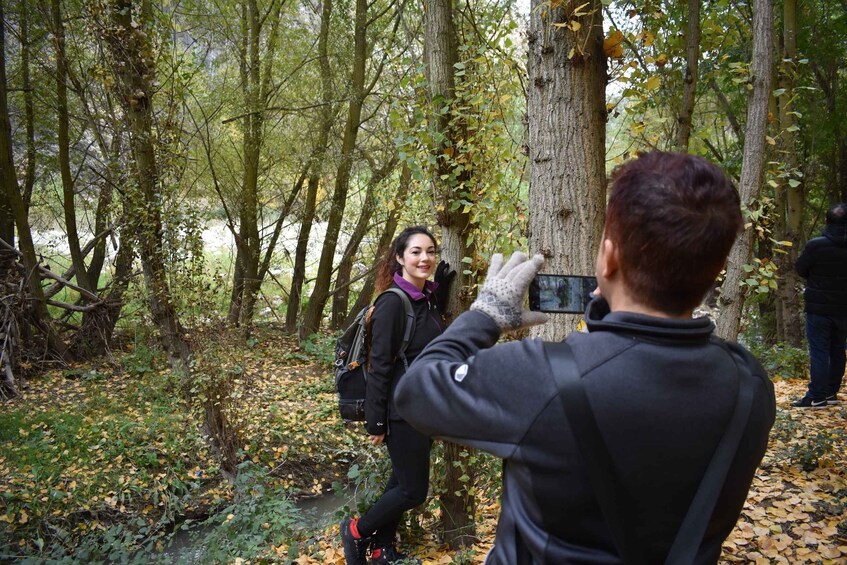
{"points": [[567, 294]]}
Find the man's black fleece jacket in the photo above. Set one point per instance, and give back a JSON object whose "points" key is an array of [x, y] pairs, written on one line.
{"points": [[662, 395], [823, 264]]}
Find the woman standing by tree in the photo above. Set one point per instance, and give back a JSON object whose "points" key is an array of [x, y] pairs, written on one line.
{"points": [[407, 265]]}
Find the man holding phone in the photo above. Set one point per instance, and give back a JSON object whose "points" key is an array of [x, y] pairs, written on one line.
{"points": [[662, 389]]}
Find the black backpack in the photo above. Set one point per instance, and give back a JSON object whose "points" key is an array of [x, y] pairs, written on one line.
{"points": [[351, 359]]}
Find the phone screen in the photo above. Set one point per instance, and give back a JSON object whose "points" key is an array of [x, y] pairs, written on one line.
{"points": [[568, 294]]}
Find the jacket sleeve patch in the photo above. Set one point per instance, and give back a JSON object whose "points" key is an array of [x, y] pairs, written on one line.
{"points": [[461, 373]]}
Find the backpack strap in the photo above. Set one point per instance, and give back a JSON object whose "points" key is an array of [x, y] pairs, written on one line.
{"points": [[690, 534], [615, 502], [409, 330]]}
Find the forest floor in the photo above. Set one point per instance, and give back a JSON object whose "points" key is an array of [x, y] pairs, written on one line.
{"points": [[106, 461]]}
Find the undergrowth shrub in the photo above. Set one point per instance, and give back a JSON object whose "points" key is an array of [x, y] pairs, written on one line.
{"points": [[782, 360], [260, 515]]}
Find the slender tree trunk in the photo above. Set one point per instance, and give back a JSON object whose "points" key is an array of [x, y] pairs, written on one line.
{"points": [[320, 293], [366, 295], [8, 177], [130, 45], [341, 292], [567, 116], [689, 87], [733, 291], [29, 107], [68, 191], [13, 216], [788, 293], [298, 276]]}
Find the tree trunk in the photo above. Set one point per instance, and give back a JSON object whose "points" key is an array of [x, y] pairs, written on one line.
{"points": [[567, 116], [320, 293], [130, 45], [366, 295], [8, 178], [790, 328], [98, 326], [29, 108], [14, 216], [68, 191], [298, 275], [441, 54], [689, 87], [733, 291], [341, 292]]}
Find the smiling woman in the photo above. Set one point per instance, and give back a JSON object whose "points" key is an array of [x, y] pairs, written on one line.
{"points": [[408, 265]]}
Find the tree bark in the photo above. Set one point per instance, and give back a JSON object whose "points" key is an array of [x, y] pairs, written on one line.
{"points": [[689, 87], [128, 40], [68, 192], [566, 114], [441, 54], [341, 292], [13, 216], [298, 275], [733, 291], [29, 107], [789, 326], [320, 293]]}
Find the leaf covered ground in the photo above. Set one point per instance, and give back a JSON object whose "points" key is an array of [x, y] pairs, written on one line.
{"points": [[113, 451]]}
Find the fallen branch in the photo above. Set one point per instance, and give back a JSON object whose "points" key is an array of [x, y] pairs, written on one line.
{"points": [[50, 275]]}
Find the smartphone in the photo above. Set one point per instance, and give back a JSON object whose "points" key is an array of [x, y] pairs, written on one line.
{"points": [[566, 294]]}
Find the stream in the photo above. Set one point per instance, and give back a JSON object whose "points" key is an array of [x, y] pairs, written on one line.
{"points": [[315, 514]]}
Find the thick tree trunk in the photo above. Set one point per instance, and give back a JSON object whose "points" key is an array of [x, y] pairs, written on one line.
{"points": [[689, 87], [320, 293], [298, 275], [733, 291], [130, 46], [567, 116], [441, 54]]}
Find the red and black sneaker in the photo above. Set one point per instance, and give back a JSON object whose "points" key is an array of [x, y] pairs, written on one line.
{"points": [[355, 546], [390, 556]]}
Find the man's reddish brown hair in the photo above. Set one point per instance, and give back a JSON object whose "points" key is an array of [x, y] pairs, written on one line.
{"points": [[674, 218]]}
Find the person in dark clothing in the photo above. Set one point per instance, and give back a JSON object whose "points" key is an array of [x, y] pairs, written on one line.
{"points": [[662, 388], [409, 262], [823, 263]]}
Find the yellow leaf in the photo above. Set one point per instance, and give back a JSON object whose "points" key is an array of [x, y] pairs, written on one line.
{"points": [[612, 45], [653, 82], [770, 140], [574, 25], [648, 39], [24, 517], [571, 53]]}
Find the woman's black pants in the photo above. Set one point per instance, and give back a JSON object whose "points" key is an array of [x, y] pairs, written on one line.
{"points": [[407, 487]]}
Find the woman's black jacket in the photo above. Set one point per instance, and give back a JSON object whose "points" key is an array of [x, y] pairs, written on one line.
{"points": [[386, 368]]}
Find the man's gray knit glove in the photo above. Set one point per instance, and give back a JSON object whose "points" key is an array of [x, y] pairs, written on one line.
{"points": [[503, 291]]}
